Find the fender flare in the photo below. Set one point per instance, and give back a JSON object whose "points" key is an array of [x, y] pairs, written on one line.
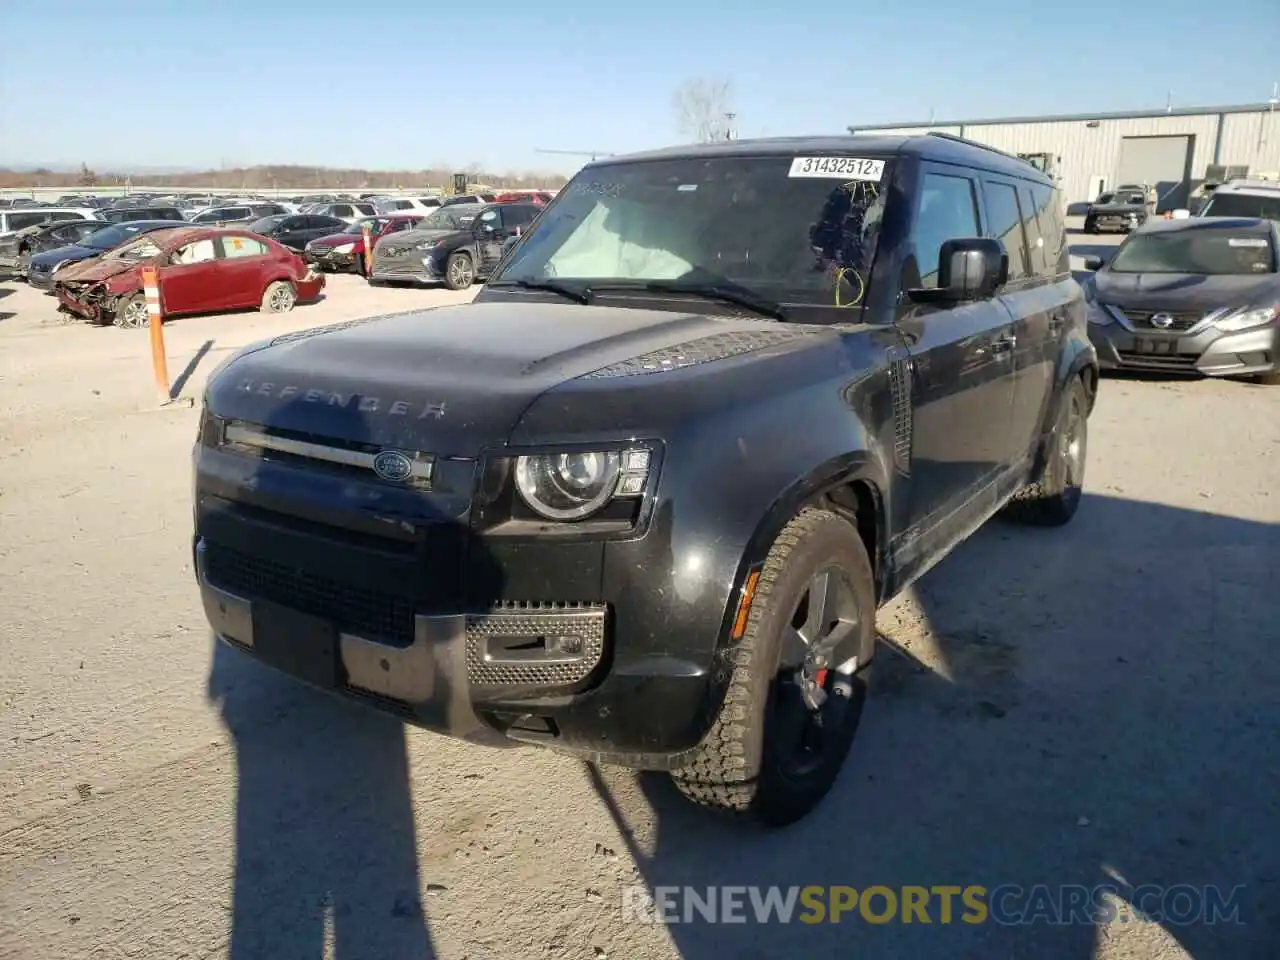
{"points": [[1081, 361], [858, 466]]}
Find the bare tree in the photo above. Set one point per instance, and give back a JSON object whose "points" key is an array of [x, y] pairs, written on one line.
{"points": [[704, 109]]}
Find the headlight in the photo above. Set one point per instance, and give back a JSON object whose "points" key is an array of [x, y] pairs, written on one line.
{"points": [[571, 486], [1099, 314], [1245, 318], [344, 248]]}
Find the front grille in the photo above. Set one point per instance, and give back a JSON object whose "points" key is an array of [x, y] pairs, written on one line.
{"points": [[399, 268], [368, 613], [1174, 361], [1182, 321]]}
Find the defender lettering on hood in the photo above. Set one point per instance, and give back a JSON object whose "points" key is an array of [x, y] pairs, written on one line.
{"points": [[353, 401]]}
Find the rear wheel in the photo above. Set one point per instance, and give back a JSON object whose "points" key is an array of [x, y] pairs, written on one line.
{"points": [[1052, 498], [794, 700], [459, 272], [279, 297]]}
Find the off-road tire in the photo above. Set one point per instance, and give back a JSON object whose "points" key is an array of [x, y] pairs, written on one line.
{"points": [[279, 297], [451, 278], [1049, 500], [732, 770]]}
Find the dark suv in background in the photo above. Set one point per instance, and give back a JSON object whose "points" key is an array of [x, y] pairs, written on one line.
{"points": [[640, 500]]}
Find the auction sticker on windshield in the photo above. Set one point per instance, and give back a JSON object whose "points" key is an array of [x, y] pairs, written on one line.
{"points": [[838, 168]]}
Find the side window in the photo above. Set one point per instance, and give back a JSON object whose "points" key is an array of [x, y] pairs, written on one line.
{"points": [[516, 215], [65, 215], [365, 209], [948, 211], [1031, 225], [343, 210], [233, 248], [1052, 228], [198, 252], [1005, 224], [20, 221]]}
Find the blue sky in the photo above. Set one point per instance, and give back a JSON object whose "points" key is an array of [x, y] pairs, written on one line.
{"points": [[388, 84]]}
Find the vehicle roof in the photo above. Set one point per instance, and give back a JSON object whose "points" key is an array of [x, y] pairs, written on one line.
{"points": [[51, 209], [1259, 187], [1207, 223], [185, 234], [940, 147]]}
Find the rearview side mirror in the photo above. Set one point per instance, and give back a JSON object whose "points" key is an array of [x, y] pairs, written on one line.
{"points": [[1093, 263], [969, 268]]}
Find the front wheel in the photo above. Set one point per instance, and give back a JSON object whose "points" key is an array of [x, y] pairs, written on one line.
{"points": [[1053, 497], [796, 695], [459, 272], [279, 297], [132, 313]]}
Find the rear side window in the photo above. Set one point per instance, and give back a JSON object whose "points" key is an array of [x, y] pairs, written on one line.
{"points": [[20, 221], [1031, 226], [235, 247], [948, 211], [1052, 228], [1005, 224]]}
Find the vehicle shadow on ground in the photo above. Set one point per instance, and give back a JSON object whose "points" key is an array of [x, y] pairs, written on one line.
{"points": [[326, 856], [1092, 705]]}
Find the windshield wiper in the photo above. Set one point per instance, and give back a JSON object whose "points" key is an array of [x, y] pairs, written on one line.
{"points": [[720, 289], [572, 291]]}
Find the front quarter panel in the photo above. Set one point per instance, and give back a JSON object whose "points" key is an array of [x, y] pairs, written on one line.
{"points": [[743, 449]]}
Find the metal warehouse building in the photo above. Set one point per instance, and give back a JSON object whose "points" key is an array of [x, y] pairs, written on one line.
{"points": [[1172, 149]]}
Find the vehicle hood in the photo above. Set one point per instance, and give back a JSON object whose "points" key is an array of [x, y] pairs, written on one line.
{"points": [[407, 238], [1184, 292], [74, 253], [1106, 208], [336, 240], [95, 271], [457, 379]]}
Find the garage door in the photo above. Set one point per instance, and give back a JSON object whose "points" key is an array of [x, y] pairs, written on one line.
{"points": [[1162, 161]]}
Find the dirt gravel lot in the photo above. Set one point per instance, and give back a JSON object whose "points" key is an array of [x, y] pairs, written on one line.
{"points": [[1092, 705]]}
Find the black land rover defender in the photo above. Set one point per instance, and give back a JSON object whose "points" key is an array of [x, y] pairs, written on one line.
{"points": [[640, 501]]}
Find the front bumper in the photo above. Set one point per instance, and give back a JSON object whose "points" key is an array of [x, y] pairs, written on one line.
{"points": [[486, 638], [328, 260], [418, 267], [40, 279], [1209, 351]]}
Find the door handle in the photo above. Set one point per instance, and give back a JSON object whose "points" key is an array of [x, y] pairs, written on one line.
{"points": [[1003, 344]]}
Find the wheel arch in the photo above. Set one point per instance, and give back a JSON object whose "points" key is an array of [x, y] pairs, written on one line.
{"points": [[852, 486]]}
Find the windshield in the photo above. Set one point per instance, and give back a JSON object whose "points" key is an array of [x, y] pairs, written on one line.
{"points": [[375, 225], [1123, 197], [140, 249], [449, 218], [1242, 205], [786, 231], [109, 237], [1200, 251]]}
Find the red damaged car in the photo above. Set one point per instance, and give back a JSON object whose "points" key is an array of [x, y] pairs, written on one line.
{"points": [[200, 270]]}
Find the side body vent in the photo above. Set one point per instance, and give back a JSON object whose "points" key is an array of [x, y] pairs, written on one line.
{"points": [[900, 391], [718, 346]]}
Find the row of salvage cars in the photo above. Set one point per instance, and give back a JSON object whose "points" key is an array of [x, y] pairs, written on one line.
{"points": [[97, 274]]}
